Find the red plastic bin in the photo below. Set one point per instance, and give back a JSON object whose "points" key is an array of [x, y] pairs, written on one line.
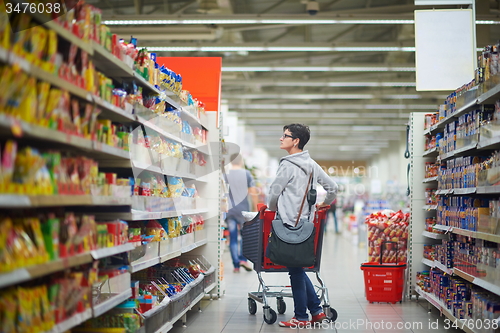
{"points": [[383, 283]]}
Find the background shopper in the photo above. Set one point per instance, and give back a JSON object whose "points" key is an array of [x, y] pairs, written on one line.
{"points": [[242, 197], [285, 196]]}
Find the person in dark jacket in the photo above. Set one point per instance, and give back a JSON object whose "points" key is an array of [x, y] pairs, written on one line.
{"points": [[242, 197]]}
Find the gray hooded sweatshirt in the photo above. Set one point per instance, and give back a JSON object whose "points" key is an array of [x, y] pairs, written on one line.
{"points": [[288, 189]]}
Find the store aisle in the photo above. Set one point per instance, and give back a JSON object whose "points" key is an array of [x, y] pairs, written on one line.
{"points": [[342, 275]]}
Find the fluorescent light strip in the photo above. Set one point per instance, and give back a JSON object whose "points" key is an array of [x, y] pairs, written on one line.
{"points": [[315, 69], [268, 21], [278, 49], [404, 107], [227, 96]]}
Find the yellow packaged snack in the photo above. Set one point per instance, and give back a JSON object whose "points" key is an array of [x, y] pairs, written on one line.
{"points": [[5, 79], [14, 91], [46, 311], [4, 27], [50, 52], [8, 306], [34, 229], [28, 108], [52, 103], [43, 89], [7, 262], [21, 27], [38, 44]]}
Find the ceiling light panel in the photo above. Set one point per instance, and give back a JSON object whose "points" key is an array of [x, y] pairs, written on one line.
{"points": [[279, 49], [302, 20], [403, 107], [316, 69]]}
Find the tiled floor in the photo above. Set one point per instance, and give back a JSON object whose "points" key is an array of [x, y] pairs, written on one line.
{"points": [[342, 275]]}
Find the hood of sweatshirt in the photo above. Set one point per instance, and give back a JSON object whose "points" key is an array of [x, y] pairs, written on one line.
{"points": [[302, 160]]}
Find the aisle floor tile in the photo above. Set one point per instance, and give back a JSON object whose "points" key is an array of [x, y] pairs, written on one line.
{"points": [[341, 273]]}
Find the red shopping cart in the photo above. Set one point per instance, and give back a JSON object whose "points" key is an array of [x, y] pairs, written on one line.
{"points": [[254, 238]]}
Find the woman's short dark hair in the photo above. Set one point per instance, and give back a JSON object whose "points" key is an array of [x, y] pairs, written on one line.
{"points": [[300, 132]]}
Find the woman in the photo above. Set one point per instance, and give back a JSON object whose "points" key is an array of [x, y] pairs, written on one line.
{"points": [[285, 197]]}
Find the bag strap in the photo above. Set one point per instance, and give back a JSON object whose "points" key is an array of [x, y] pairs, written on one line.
{"points": [[303, 200]]}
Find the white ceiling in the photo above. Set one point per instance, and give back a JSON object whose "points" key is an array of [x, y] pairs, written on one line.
{"points": [[356, 102]]}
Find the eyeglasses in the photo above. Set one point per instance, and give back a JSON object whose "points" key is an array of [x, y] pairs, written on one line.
{"points": [[284, 136]]}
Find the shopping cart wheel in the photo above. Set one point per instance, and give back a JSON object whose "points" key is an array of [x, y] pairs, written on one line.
{"points": [[330, 312], [270, 315], [281, 305], [252, 306]]}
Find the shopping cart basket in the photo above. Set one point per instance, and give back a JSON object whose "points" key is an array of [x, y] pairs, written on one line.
{"points": [[254, 238], [384, 282]]}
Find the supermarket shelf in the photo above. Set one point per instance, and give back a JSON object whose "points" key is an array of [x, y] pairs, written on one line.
{"points": [[109, 64], [459, 151], [444, 192], [24, 201], [210, 288], [459, 191], [145, 84], [36, 271], [490, 96], [443, 227], [160, 131], [112, 301], [443, 268], [430, 152], [112, 112], [169, 256], [111, 251], [194, 211], [136, 267], [491, 143], [111, 201], [434, 235], [463, 191], [157, 169], [169, 325], [149, 167], [11, 59], [428, 262], [32, 131], [66, 34], [430, 179], [443, 309], [478, 282], [39, 132], [472, 104], [193, 246], [488, 189], [74, 321], [137, 215], [430, 207], [470, 233], [60, 83]]}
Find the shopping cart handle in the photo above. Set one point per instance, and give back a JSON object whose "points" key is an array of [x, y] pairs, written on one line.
{"points": [[323, 207], [262, 209]]}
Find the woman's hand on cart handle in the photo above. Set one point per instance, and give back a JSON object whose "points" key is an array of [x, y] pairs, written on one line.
{"points": [[322, 206]]}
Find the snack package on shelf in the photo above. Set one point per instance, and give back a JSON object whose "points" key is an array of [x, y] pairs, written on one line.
{"points": [[388, 232]]}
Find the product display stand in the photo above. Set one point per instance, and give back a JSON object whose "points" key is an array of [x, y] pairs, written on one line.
{"points": [[477, 271], [204, 242], [417, 201]]}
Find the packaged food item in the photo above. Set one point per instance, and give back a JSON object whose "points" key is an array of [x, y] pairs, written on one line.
{"points": [[7, 262], [175, 186], [155, 229]]}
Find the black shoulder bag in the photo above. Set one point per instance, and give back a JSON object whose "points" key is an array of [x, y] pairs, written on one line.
{"points": [[293, 246]]}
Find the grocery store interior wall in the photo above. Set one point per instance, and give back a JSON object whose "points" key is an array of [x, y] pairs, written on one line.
{"points": [[388, 169]]}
